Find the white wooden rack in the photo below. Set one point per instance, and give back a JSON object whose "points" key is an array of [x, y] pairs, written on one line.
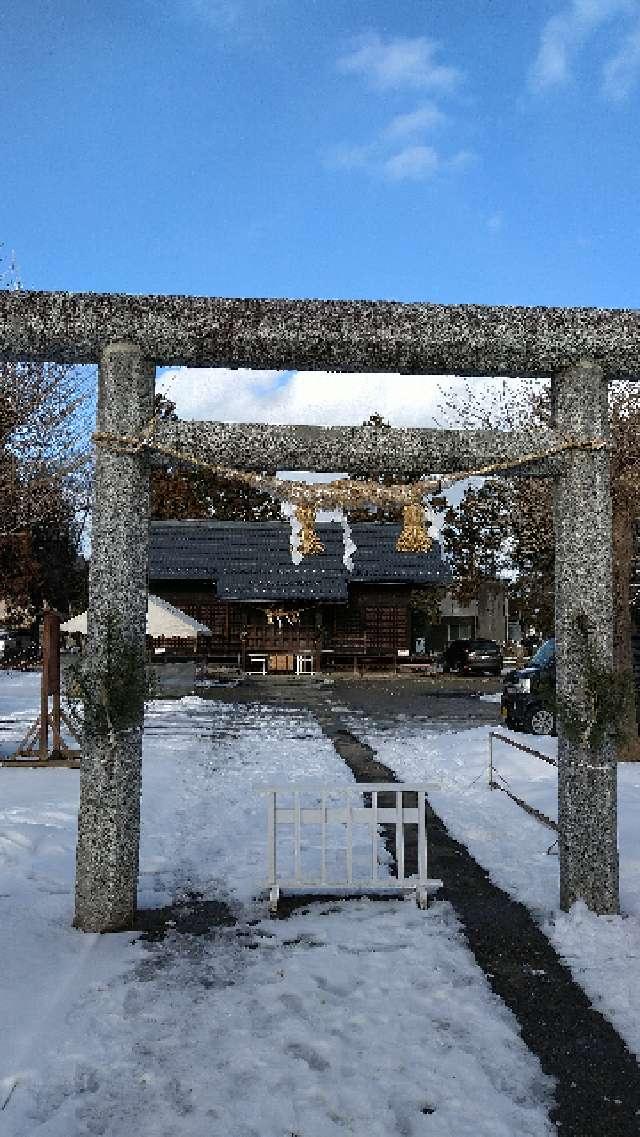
{"points": [[324, 806]]}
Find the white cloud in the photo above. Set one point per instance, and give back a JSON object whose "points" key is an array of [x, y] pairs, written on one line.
{"points": [[621, 71], [566, 33], [563, 35], [394, 64], [318, 397], [417, 163], [399, 151], [414, 162], [221, 394], [423, 118], [495, 221]]}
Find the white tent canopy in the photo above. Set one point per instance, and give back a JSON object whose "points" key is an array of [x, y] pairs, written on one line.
{"points": [[162, 620]]}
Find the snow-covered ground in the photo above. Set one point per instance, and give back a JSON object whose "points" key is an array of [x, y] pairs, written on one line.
{"points": [[355, 1018], [521, 854]]}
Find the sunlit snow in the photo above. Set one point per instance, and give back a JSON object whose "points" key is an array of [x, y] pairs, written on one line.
{"points": [[358, 1017]]}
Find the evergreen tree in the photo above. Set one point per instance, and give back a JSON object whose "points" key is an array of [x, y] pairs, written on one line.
{"points": [[532, 592], [476, 536]]}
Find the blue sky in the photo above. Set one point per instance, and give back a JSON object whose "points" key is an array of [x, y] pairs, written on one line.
{"points": [[453, 150], [448, 150]]}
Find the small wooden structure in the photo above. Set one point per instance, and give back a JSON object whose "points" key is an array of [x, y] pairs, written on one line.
{"points": [[34, 750]]}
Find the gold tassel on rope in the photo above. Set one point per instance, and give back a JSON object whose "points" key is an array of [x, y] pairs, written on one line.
{"points": [[414, 537], [308, 543]]}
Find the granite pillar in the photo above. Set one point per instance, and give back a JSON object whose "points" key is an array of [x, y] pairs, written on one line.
{"points": [[587, 777], [110, 779]]}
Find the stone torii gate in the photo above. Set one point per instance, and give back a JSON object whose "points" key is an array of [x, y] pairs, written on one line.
{"points": [[129, 335]]}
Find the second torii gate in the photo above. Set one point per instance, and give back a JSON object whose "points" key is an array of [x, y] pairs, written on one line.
{"points": [[580, 348]]}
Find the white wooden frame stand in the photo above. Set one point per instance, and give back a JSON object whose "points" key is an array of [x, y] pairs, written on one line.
{"points": [[349, 814]]}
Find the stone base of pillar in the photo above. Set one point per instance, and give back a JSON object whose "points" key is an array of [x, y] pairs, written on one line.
{"points": [[588, 791], [108, 834]]}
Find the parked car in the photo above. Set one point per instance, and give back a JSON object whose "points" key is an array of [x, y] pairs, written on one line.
{"points": [[8, 645], [528, 693], [473, 657]]}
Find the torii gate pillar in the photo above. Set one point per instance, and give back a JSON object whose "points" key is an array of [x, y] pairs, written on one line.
{"points": [[587, 779], [110, 778]]}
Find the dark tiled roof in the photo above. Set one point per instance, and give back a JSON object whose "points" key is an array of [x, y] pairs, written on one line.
{"points": [[376, 557], [252, 560]]}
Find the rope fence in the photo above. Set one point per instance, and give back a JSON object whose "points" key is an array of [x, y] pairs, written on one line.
{"points": [[494, 785]]}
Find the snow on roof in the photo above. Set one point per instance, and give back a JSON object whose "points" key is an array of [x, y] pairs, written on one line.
{"points": [[163, 619]]}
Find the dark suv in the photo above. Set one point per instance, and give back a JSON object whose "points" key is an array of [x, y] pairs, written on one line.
{"points": [[528, 694], [473, 656]]}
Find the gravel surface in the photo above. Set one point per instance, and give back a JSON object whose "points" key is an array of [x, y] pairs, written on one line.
{"points": [[455, 702]]}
